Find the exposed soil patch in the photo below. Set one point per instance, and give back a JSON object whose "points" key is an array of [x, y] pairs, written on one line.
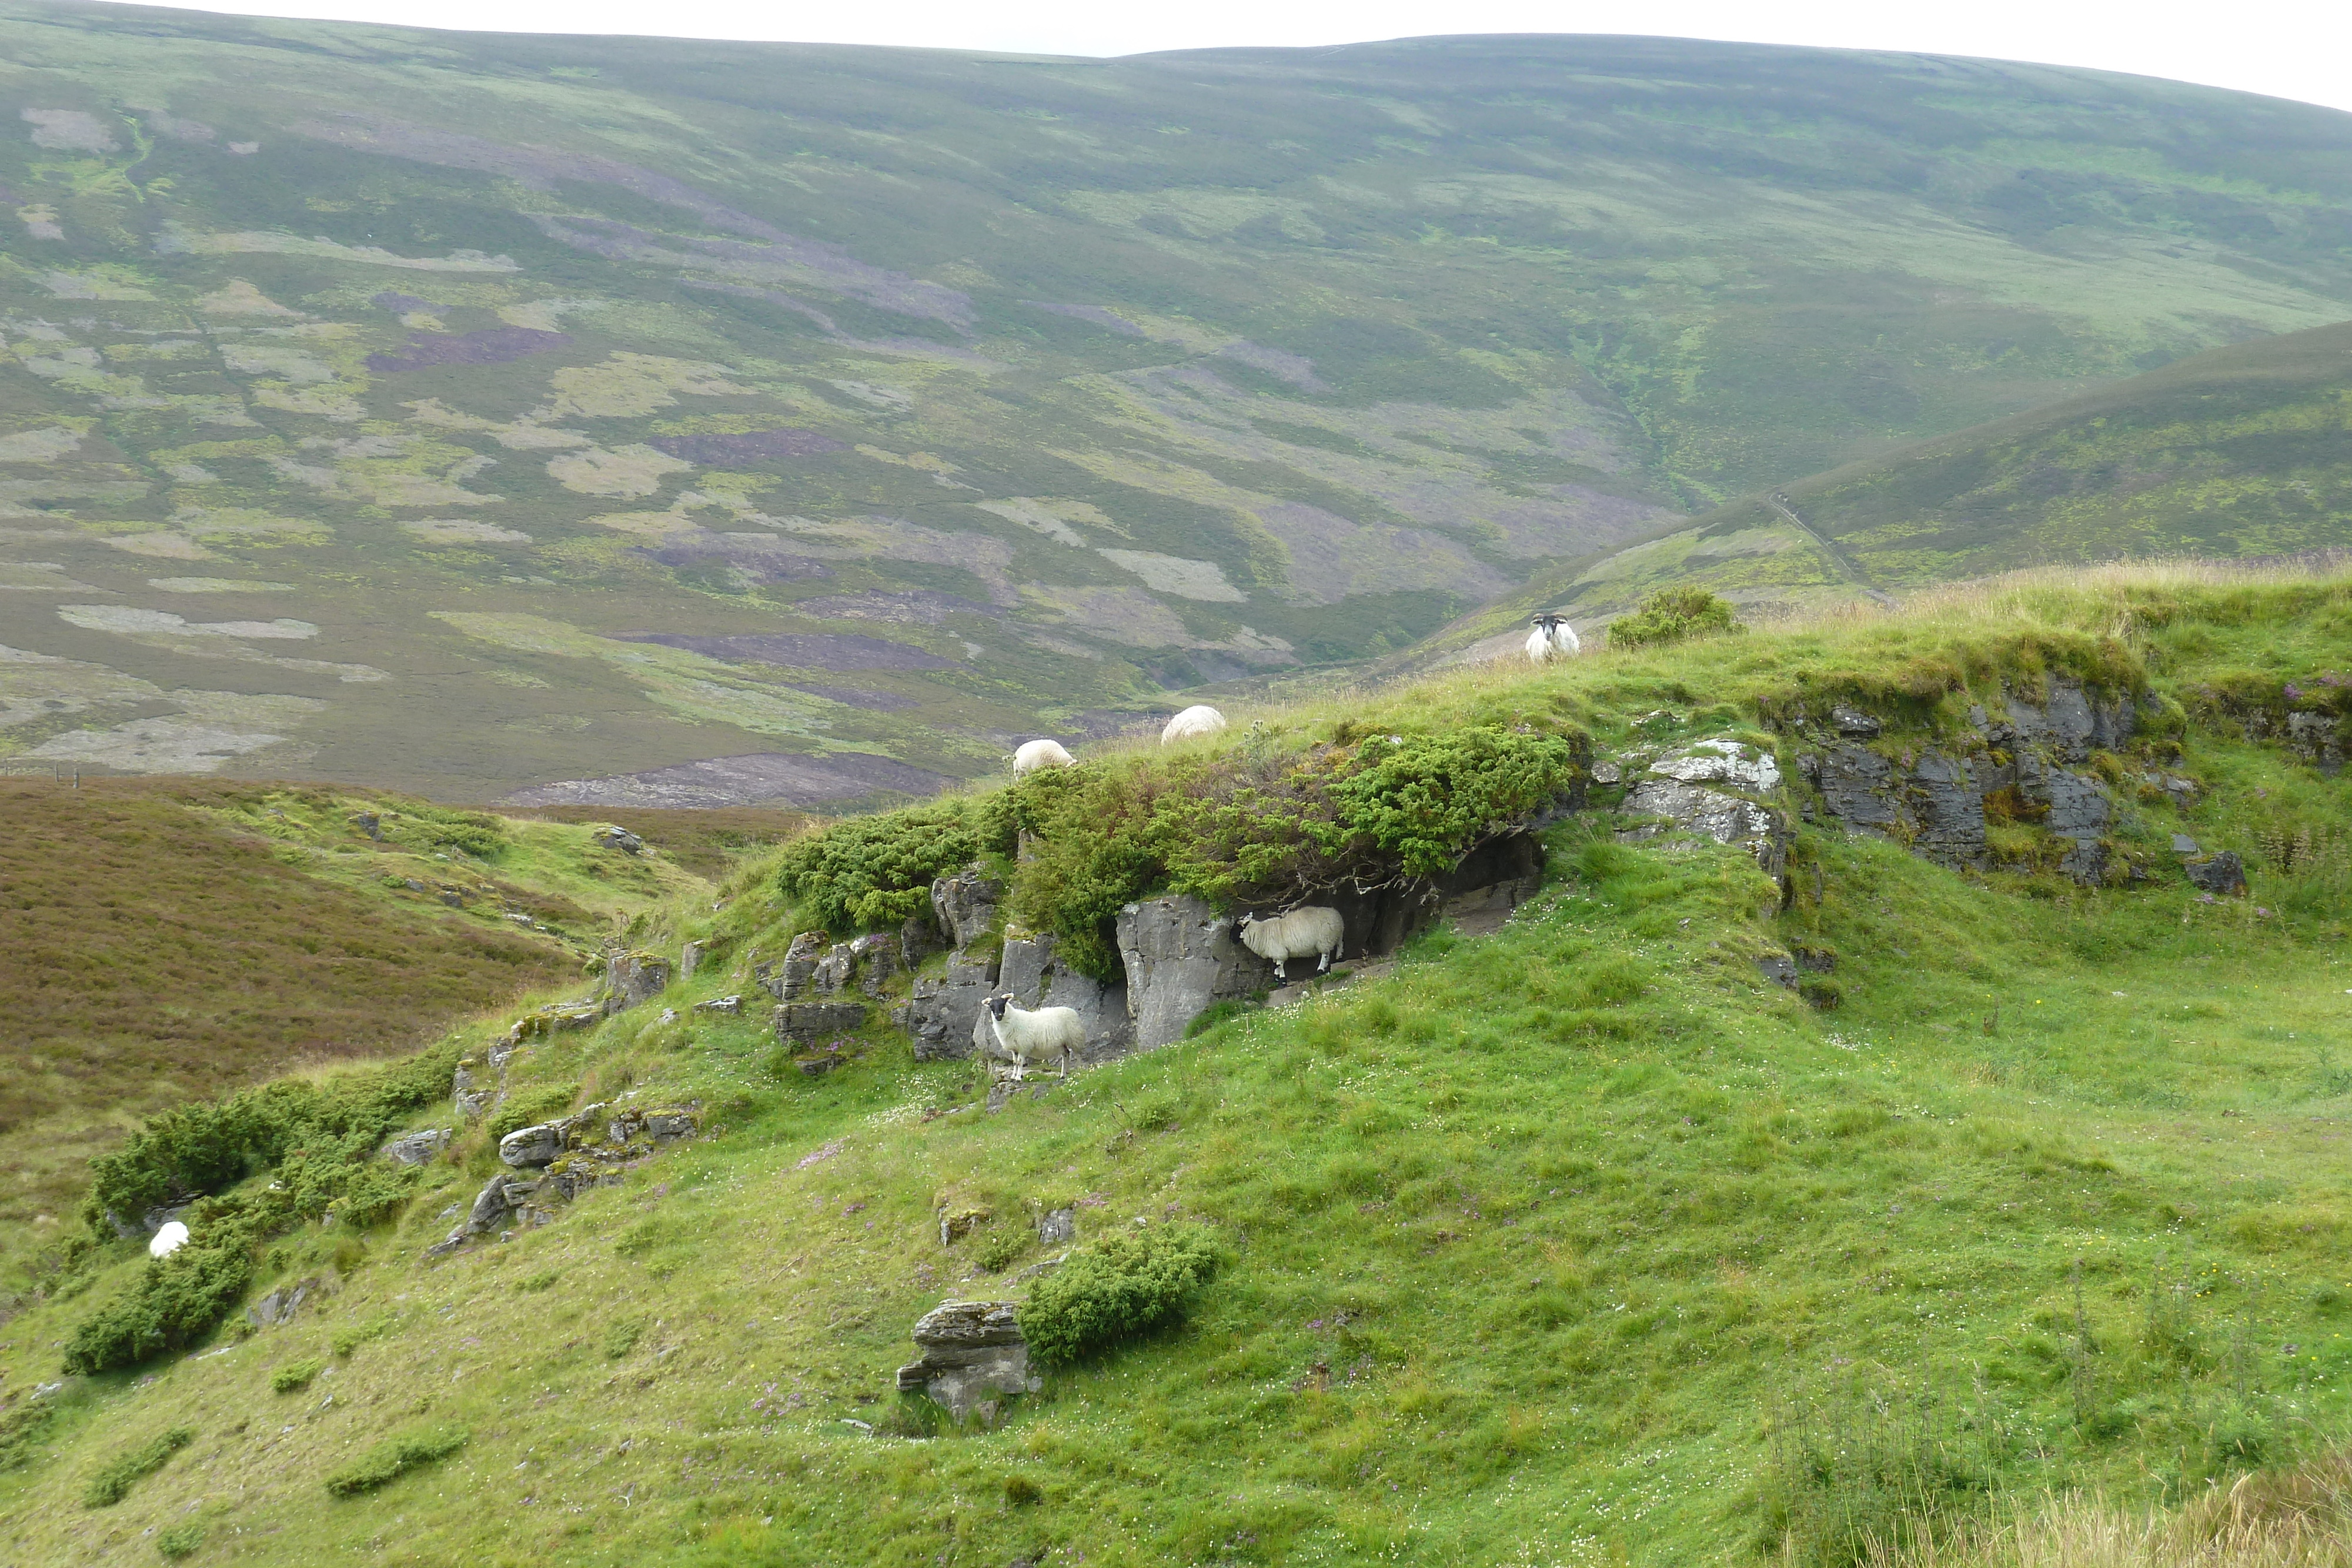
{"points": [[802, 651], [492, 346], [750, 446], [762, 778]]}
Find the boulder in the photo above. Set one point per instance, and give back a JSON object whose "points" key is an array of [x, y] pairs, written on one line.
{"points": [[416, 1149], [808, 1023], [835, 971], [533, 1146], [1854, 723], [2318, 739], [728, 1005], [621, 839], [955, 1224], [634, 977], [2222, 874], [965, 904], [1182, 959], [690, 959], [1057, 1225], [970, 1352]]}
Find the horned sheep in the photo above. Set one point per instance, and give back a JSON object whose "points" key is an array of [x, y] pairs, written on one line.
{"points": [[1048, 1034], [1192, 724], [1553, 638], [1034, 755], [1314, 932]]}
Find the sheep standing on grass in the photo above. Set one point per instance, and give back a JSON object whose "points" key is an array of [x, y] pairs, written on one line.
{"points": [[1192, 724], [1553, 638], [1036, 754], [1314, 932], [1049, 1034], [168, 1240]]}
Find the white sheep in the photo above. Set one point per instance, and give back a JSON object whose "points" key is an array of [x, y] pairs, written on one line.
{"points": [[1192, 724], [1553, 638], [1049, 1034], [1035, 753], [168, 1240], [1316, 931]]}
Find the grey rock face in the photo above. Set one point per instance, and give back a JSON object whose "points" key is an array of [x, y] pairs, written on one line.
{"points": [[2318, 739], [965, 906], [944, 1012], [1038, 978], [877, 960], [621, 839], [728, 1005], [1854, 722], [797, 978], [1182, 959], [281, 1305], [531, 1147], [416, 1147], [1713, 788], [1057, 1227], [917, 940], [688, 960], [835, 971], [1779, 969], [2222, 874], [808, 1023], [634, 977], [970, 1351]]}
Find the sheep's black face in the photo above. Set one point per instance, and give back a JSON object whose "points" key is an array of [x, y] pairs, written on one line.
{"points": [[996, 1006]]}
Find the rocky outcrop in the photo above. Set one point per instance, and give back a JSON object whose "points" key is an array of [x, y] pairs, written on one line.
{"points": [[634, 977], [2224, 874], [875, 960], [1182, 959], [2019, 768], [618, 838], [416, 1148], [972, 1356], [1038, 978], [554, 1162], [1057, 1225], [965, 905], [533, 1146], [2319, 739], [812, 1023], [1720, 789], [280, 1305]]}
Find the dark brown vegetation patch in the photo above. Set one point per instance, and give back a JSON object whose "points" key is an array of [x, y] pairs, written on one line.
{"points": [[750, 446], [492, 346]]}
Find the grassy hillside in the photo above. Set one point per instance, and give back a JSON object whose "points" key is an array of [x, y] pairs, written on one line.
{"points": [[1576, 1243], [470, 413], [2238, 452], [168, 940]]}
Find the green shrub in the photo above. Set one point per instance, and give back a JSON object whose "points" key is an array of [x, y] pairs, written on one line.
{"points": [[998, 1248], [621, 1337], [1020, 1491], [294, 1376], [1126, 1284], [20, 1429], [180, 1541], [869, 873], [1673, 616], [176, 1303], [350, 1336], [392, 1459], [113, 1483]]}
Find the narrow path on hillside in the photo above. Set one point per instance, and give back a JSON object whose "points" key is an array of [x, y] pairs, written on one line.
{"points": [[1835, 556]]}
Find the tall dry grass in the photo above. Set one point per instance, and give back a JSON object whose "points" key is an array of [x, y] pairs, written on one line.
{"points": [[2296, 1518]]}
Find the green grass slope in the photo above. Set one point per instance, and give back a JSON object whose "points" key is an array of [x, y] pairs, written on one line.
{"points": [[2242, 451], [465, 413], [1576, 1243], [170, 940]]}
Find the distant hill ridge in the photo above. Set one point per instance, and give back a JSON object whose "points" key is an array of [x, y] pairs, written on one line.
{"points": [[478, 414]]}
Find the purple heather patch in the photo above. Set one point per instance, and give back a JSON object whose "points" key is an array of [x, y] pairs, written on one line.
{"points": [[495, 346], [800, 651], [401, 304], [749, 446]]}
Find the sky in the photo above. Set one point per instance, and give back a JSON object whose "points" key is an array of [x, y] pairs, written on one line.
{"points": [[2286, 50]]}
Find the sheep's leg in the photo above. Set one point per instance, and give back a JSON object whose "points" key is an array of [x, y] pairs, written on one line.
{"points": [[1326, 956], [1016, 1068], [1278, 962]]}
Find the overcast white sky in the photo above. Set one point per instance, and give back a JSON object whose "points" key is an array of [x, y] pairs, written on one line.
{"points": [[2288, 50]]}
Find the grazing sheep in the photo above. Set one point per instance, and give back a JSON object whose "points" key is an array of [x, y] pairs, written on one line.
{"points": [[168, 1240], [1316, 931], [1192, 724], [1036, 754], [1553, 638], [1049, 1034]]}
